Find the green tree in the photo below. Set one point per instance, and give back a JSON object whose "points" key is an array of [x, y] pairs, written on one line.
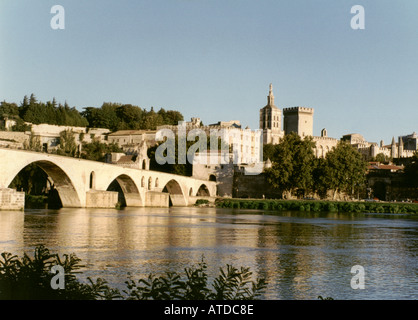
{"points": [[152, 120], [380, 158], [33, 144], [10, 110], [67, 146], [269, 151], [97, 150], [344, 169], [171, 117], [129, 117], [292, 164], [33, 111]]}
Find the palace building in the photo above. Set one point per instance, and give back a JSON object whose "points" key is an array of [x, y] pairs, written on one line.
{"points": [[300, 120], [295, 119]]}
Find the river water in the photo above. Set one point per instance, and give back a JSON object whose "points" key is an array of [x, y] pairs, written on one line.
{"points": [[301, 255]]}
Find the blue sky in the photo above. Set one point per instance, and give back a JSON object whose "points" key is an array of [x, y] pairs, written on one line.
{"points": [[215, 59]]}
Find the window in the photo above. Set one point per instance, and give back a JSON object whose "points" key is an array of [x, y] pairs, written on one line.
{"points": [[92, 180]]}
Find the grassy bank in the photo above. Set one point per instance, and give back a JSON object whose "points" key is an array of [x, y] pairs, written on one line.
{"points": [[318, 206]]}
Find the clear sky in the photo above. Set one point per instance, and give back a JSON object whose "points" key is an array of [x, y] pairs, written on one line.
{"points": [[215, 59]]}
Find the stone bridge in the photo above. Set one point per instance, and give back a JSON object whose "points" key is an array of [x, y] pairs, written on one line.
{"points": [[84, 183]]}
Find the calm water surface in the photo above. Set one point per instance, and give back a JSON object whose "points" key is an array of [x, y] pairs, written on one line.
{"points": [[302, 255]]}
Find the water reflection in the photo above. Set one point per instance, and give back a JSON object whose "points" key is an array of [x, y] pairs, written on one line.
{"points": [[302, 255]]}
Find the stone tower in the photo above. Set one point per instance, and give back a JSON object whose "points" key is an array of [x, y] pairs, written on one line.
{"points": [[393, 153], [299, 120], [400, 148], [271, 120]]}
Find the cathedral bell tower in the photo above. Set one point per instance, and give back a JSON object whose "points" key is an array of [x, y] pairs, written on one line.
{"points": [[271, 120]]}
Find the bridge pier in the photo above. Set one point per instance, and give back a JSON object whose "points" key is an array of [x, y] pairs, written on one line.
{"points": [[177, 200], [10, 199], [101, 199], [133, 200], [157, 199]]}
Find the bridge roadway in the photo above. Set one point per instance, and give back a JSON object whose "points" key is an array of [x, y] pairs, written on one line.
{"points": [[84, 183]]}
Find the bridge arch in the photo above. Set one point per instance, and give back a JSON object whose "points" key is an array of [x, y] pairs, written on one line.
{"points": [[128, 191], [203, 191], [61, 182], [176, 193]]}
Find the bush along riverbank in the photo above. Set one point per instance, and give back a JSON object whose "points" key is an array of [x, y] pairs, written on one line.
{"points": [[319, 206], [39, 278]]}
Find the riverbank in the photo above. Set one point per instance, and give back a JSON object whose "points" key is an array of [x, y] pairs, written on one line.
{"points": [[319, 205]]}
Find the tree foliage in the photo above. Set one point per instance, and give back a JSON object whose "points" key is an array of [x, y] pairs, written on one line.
{"points": [[97, 150], [67, 146], [33, 144], [344, 169], [49, 112], [294, 166], [292, 163], [113, 116], [10, 110], [116, 116]]}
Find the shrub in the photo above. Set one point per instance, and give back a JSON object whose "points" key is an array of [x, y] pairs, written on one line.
{"points": [[231, 284], [30, 278], [331, 207], [380, 209], [236, 205], [316, 207], [201, 201], [348, 207], [360, 207]]}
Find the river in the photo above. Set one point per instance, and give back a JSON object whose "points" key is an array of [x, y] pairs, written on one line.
{"points": [[301, 255]]}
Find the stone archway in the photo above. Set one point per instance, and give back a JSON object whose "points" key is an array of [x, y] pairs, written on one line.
{"points": [[203, 191], [60, 182], [128, 191], [176, 193]]}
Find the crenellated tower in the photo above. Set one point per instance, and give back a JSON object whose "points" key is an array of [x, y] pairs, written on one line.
{"points": [[299, 120]]}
